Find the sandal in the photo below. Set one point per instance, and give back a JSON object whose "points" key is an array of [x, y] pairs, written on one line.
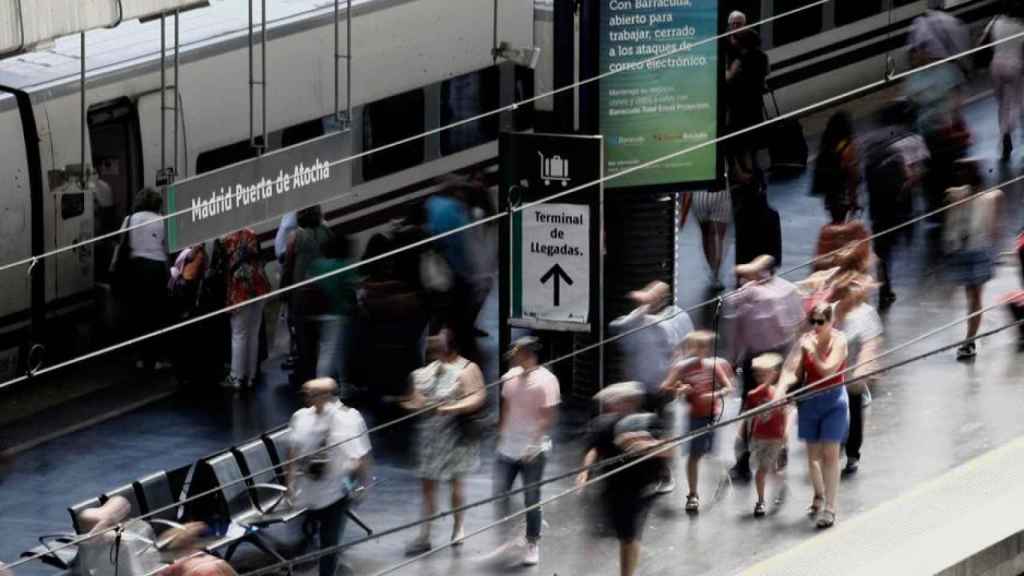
{"points": [[815, 506], [692, 503], [826, 519], [418, 546]]}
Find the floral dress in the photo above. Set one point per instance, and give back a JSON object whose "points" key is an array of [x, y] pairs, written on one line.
{"points": [[444, 452], [245, 277]]}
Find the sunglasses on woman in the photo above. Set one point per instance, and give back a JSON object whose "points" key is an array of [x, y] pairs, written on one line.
{"points": [[818, 321]]}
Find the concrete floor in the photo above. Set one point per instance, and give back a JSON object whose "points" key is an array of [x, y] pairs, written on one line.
{"points": [[925, 419]]}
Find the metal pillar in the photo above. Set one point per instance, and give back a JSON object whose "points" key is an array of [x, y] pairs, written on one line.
{"points": [[347, 57], [177, 49], [81, 177], [163, 94], [261, 146], [564, 60]]}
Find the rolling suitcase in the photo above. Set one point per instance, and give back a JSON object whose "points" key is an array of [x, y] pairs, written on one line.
{"points": [[787, 146]]}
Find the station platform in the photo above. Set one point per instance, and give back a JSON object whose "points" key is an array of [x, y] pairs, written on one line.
{"points": [[925, 420]]}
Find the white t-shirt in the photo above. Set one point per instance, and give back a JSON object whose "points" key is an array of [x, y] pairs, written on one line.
{"points": [[148, 241], [310, 431], [524, 397], [860, 325]]}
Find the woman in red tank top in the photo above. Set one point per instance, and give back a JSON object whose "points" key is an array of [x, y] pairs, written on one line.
{"points": [[824, 418]]}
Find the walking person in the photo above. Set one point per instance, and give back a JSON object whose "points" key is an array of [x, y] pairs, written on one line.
{"points": [[713, 211], [703, 380], [331, 438], [1007, 69], [860, 323], [837, 169], [245, 281], [307, 304], [530, 396], [618, 431], [769, 431], [763, 316], [658, 327], [969, 239], [744, 95], [338, 291], [894, 162], [148, 273], [823, 418], [446, 449]]}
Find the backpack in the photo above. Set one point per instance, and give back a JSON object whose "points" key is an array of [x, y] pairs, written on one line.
{"points": [[885, 175]]}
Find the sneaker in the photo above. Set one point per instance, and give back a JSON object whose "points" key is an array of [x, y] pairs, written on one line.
{"points": [[851, 466], [231, 383], [666, 486], [759, 509], [692, 503], [532, 556], [966, 352], [865, 398]]}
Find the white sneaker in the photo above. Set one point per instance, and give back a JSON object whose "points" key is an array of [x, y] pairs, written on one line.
{"points": [[532, 556]]}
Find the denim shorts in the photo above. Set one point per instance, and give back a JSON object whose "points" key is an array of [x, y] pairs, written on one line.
{"points": [[704, 444], [824, 417]]}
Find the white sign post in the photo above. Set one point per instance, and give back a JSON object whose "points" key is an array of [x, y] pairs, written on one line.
{"points": [[556, 263]]}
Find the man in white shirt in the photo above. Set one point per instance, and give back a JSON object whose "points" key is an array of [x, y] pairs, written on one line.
{"points": [[530, 396], [332, 438]]}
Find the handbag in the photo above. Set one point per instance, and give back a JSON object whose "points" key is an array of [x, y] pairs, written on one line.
{"points": [[119, 262], [473, 425]]}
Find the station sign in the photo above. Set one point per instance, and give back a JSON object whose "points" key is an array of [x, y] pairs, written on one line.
{"points": [[555, 248], [256, 190], [649, 108], [553, 245]]}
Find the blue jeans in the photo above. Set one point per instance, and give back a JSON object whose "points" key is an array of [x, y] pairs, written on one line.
{"points": [[330, 523], [505, 472]]}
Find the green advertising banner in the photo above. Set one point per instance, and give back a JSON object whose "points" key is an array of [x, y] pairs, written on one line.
{"points": [[649, 110]]}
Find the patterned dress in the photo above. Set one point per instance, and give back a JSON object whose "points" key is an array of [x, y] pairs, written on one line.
{"points": [[444, 452]]}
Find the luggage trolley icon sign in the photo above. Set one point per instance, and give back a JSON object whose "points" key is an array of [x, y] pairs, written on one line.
{"points": [[554, 169]]}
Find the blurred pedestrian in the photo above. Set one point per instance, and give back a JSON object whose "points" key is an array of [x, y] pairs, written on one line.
{"points": [[769, 431], [837, 169], [530, 397], [713, 211], [860, 323], [289, 222], [969, 238], [621, 432], [758, 229], [703, 380], [246, 281], [655, 328], [338, 291], [146, 298], [307, 304], [894, 162], [1007, 69], [446, 449], [935, 36], [815, 368], [763, 316], [328, 460]]}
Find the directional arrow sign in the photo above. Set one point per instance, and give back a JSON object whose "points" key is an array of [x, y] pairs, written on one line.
{"points": [[555, 251], [558, 274]]}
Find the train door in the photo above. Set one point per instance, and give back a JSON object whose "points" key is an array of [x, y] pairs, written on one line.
{"points": [[117, 158], [15, 233]]}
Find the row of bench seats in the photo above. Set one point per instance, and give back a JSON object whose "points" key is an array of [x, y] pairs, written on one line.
{"points": [[247, 506]]}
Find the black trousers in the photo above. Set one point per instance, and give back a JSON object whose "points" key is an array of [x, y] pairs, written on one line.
{"points": [[855, 437]]}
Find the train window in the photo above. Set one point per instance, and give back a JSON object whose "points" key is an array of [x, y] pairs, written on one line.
{"points": [[300, 133], [849, 12], [466, 96], [390, 120], [796, 26], [224, 156]]}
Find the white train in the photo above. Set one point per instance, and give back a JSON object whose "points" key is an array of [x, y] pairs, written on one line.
{"points": [[416, 65]]}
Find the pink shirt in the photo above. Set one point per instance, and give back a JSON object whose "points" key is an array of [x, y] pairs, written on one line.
{"points": [[524, 400]]}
